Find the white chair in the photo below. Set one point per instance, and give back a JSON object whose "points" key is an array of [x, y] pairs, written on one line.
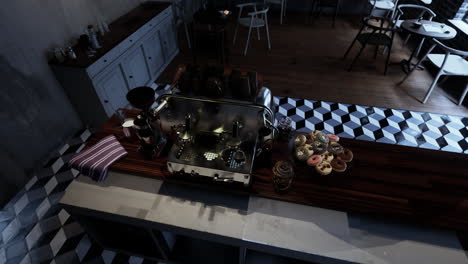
{"points": [[388, 6], [256, 19], [452, 63], [282, 3], [184, 15], [421, 11]]}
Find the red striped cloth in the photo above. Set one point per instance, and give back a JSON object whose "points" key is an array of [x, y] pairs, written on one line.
{"points": [[95, 161]]}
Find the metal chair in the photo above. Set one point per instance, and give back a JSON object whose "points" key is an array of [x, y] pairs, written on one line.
{"points": [[182, 16], [388, 6], [452, 63], [283, 4], [256, 19], [318, 4], [378, 36], [425, 13]]}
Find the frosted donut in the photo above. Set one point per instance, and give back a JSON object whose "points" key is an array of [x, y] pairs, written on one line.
{"points": [[324, 168], [327, 156], [346, 156], [309, 138], [319, 147], [338, 165], [335, 148], [333, 138], [300, 140], [314, 160], [303, 153], [320, 136]]}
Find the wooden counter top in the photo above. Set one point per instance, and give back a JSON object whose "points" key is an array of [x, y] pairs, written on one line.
{"points": [[120, 29], [420, 185]]}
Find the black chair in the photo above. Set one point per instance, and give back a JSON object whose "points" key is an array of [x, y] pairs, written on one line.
{"points": [[318, 5], [379, 35]]}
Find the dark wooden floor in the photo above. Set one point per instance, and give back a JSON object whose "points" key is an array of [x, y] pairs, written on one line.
{"points": [[306, 61]]}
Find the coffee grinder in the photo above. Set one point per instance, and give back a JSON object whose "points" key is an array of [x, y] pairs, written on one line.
{"points": [[147, 124]]}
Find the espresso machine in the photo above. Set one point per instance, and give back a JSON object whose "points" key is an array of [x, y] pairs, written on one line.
{"points": [[218, 124]]}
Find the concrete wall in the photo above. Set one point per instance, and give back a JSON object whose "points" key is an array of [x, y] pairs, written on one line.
{"points": [[36, 116]]}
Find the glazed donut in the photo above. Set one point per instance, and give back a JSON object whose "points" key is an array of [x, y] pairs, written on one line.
{"points": [[324, 168], [304, 152], [327, 156], [346, 156], [319, 147], [309, 138], [335, 148], [314, 160], [333, 138], [300, 140], [338, 165], [320, 136]]}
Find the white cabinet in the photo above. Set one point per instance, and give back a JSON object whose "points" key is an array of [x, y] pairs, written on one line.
{"points": [[112, 88], [154, 52], [136, 68], [168, 38], [99, 87]]}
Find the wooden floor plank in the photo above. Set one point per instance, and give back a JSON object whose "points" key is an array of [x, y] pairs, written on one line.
{"points": [[306, 61]]}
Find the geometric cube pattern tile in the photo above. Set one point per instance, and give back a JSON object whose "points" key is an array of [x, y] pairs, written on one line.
{"points": [[402, 127], [35, 229]]}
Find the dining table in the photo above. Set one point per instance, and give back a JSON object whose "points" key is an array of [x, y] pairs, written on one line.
{"points": [[425, 29]]}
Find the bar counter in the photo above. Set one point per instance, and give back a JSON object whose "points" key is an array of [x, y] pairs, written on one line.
{"points": [[412, 184], [353, 217]]}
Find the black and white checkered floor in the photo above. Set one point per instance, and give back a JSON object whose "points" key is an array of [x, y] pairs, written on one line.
{"points": [[34, 229]]}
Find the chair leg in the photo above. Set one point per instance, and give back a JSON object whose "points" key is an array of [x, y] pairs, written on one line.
{"points": [[336, 12], [349, 49], [187, 35], [432, 86], [463, 95], [356, 58], [376, 51], [235, 35], [284, 7], [248, 40], [407, 39], [387, 60], [282, 12], [352, 43], [258, 33], [419, 47], [267, 32]]}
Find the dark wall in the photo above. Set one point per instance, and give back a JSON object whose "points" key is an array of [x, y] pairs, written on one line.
{"points": [[36, 116]]}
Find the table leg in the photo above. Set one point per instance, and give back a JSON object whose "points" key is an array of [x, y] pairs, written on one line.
{"points": [[406, 64]]}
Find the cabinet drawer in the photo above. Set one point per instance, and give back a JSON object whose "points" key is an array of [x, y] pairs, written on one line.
{"points": [[140, 33], [104, 61]]}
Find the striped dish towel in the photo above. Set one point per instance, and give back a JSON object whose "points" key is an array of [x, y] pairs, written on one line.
{"points": [[95, 161]]}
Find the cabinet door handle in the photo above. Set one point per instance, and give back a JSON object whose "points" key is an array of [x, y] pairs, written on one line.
{"points": [[106, 101], [149, 58], [131, 40], [131, 76], [105, 60]]}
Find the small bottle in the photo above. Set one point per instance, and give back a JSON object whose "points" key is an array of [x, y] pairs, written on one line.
{"points": [[93, 37], [71, 53], [106, 26], [59, 55]]}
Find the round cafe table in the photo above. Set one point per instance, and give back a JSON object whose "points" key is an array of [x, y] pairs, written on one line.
{"points": [[446, 32]]}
